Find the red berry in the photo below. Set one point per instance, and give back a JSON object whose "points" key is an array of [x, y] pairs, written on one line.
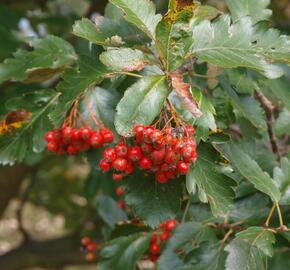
{"points": [[161, 177], [158, 155], [146, 148], [182, 167], [85, 241], [57, 135], [120, 164], [135, 153], [67, 134], [119, 191], [154, 257], [92, 247], [121, 150], [156, 136], [190, 130], [104, 165], [109, 154], [72, 150], [52, 146], [148, 133], [90, 257], [108, 135], [154, 249], [49, 136], [129, 168], [145, 163], [154, 238], [170, 174], [76, 135], [164, 236], [121, 204], [139, 131], [117, 177], [170, 225], [97, 140], [85, 133], [170, 156]]}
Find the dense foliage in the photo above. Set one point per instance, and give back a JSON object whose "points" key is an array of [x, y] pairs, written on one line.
{"points": [[194, 77]]}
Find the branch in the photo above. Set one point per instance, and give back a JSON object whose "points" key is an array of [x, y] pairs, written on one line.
{"points": [[269, 110], [53, 253]]}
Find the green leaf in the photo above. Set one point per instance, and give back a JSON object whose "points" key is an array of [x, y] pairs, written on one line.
{"points": [[16, 145], [250, 169], [173, 42], [124, 59], [281, 176], [230, 46], [141, 13], [249, 249], [124, 252], [109, 210], [248, 107], [257, 10], [74, 83], [151, 201], [183, 234], [142, 102], [215, 186], [282, 124], [49, 57]]}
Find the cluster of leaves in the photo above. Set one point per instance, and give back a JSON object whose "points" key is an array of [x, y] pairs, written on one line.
{"points": [[137, 60]]}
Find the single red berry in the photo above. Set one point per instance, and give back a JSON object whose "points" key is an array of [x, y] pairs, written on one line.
{"points": [[188, 152], [49, 136], [121, 204], [120, 164], [148, 133], [117, 177], [90, 257], [121, 150], [158, 155], [108, 135], [190, 130], [72, 150], [76, 136], [154, 257], [170, 225], [85, 241], [135, 153], [57, 134], [156, 136], [85, 133], [129, 168], [145, 163], [182, 167], [170, 156], [119, 191], [161, 177], [67, 134], [109, 154], [164, 236], [104, 165], [92, 247], [139, 131], [154, 249], [96, 140], [154, 238], [170, 174], [52, 146]]}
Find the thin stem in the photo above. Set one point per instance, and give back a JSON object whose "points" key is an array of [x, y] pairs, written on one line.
{"points": [[270, 215], [185, 211], [203, 76], [279, 214], [129, 74]]}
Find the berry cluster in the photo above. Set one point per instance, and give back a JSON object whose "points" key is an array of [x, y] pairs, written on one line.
{"points": [[73, 140], [89, 247], [167, 153], [119, 191], [160, 237]]}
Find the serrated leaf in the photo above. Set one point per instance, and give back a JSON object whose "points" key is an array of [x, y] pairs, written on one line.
{"points": [[232, 45], [216, 186], [151, 201], [50, 56], [74, 83], [282, 124], [183, 234], [255, 9], [141, 103], [281, 176], [141, 13], [15, 145], [249, 249], [109, 210], [123, 252], [250, 169], [124, 59], [248, 107]]}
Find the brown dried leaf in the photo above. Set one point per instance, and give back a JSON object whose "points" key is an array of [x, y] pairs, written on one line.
{"points": [[136, 67], [183, 90]]}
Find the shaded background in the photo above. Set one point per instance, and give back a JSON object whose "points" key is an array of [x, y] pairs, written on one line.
{"points": [[44, 206]]}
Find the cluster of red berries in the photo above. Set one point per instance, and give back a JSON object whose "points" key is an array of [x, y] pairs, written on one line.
{"points": [[119, 191], [160, 237], [89, 247], [74, 140], [167, 153]]}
